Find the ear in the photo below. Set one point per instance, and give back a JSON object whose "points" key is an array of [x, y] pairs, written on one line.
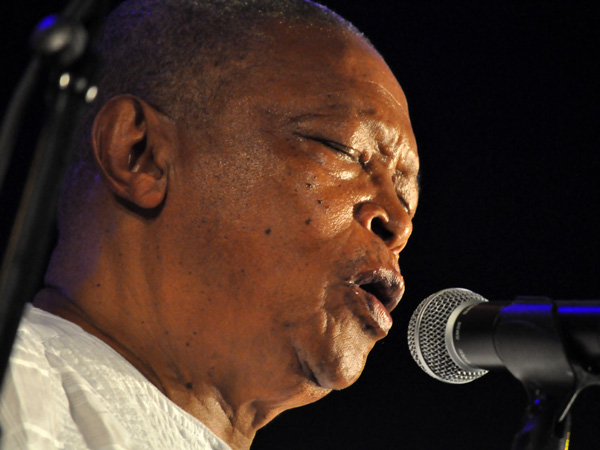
{"points": [[133, 144]]}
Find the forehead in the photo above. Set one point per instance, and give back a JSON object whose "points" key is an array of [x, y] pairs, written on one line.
{"points": [[329, 57], [330, 76]]}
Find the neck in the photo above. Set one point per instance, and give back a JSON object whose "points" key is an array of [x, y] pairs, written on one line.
{"points": [[135, 314], [235, 424]]}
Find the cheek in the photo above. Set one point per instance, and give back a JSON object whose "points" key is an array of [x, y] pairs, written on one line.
{"points": [[315, 203], [329, 215]]}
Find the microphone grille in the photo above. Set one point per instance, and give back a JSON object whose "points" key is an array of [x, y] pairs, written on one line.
{"points": [[427, 335]]}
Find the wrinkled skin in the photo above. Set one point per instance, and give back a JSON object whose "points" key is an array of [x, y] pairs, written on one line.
{"points": [[242, 297]]}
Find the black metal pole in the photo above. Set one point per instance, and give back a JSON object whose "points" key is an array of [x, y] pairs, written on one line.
{"points": [[30, 238], [62, 44]]}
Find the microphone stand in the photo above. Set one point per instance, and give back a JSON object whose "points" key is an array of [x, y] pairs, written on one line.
{"points": [[61, 47], [530, 344]]}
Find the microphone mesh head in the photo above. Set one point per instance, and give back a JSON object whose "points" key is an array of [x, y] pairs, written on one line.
{"points": [[427, 335]]}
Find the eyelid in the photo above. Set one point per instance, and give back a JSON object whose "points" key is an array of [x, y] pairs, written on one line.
{"points": [[399, 188], [352, 153], [342, 148], [405, 204]]}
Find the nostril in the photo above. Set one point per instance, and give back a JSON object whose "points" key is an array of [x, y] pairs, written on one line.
{"points": [[379, 227]]}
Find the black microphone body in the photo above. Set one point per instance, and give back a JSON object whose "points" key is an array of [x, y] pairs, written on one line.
{"points": [[474, 330]]}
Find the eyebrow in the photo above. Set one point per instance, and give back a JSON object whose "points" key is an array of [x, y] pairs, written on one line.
{"points": [[308, 116]]}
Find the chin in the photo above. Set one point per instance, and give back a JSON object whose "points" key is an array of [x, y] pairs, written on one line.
{"points": [[341, 373], [336, 359]]}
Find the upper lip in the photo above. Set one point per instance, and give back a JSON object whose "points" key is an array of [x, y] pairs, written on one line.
{"points": [[384, 284]]}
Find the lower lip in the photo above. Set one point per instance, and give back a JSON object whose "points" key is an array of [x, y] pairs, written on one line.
{"points": [[377, 312]]}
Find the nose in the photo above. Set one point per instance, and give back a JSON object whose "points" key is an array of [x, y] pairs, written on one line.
{"points": [[393, 227]]}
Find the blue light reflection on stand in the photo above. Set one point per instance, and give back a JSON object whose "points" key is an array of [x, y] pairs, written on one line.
{"points": [[516, 308], [47, 22], [563, 308], [579, 309]]}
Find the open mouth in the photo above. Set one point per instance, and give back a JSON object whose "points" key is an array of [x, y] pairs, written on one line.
{"points": [[385, 285]]}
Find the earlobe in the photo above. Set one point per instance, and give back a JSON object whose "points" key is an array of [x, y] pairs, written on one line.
{"points": [[132, 146]]}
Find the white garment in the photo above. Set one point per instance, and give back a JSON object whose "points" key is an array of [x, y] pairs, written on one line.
{"points": [[66, 389]]}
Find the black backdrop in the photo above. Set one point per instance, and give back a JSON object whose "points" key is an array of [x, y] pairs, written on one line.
{"points": [[504, 104]]}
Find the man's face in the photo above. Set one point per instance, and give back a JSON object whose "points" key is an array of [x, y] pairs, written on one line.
{"points": [[288, 213]]}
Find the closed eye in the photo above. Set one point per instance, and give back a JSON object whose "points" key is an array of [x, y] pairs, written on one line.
{"points": [[344, 150], [405, 205]]}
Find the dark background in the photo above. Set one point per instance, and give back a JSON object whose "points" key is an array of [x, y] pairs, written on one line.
{"points": [[504, 104]]}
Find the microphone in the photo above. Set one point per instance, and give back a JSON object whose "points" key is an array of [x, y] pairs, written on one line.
{"points": [[456, 336]]}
